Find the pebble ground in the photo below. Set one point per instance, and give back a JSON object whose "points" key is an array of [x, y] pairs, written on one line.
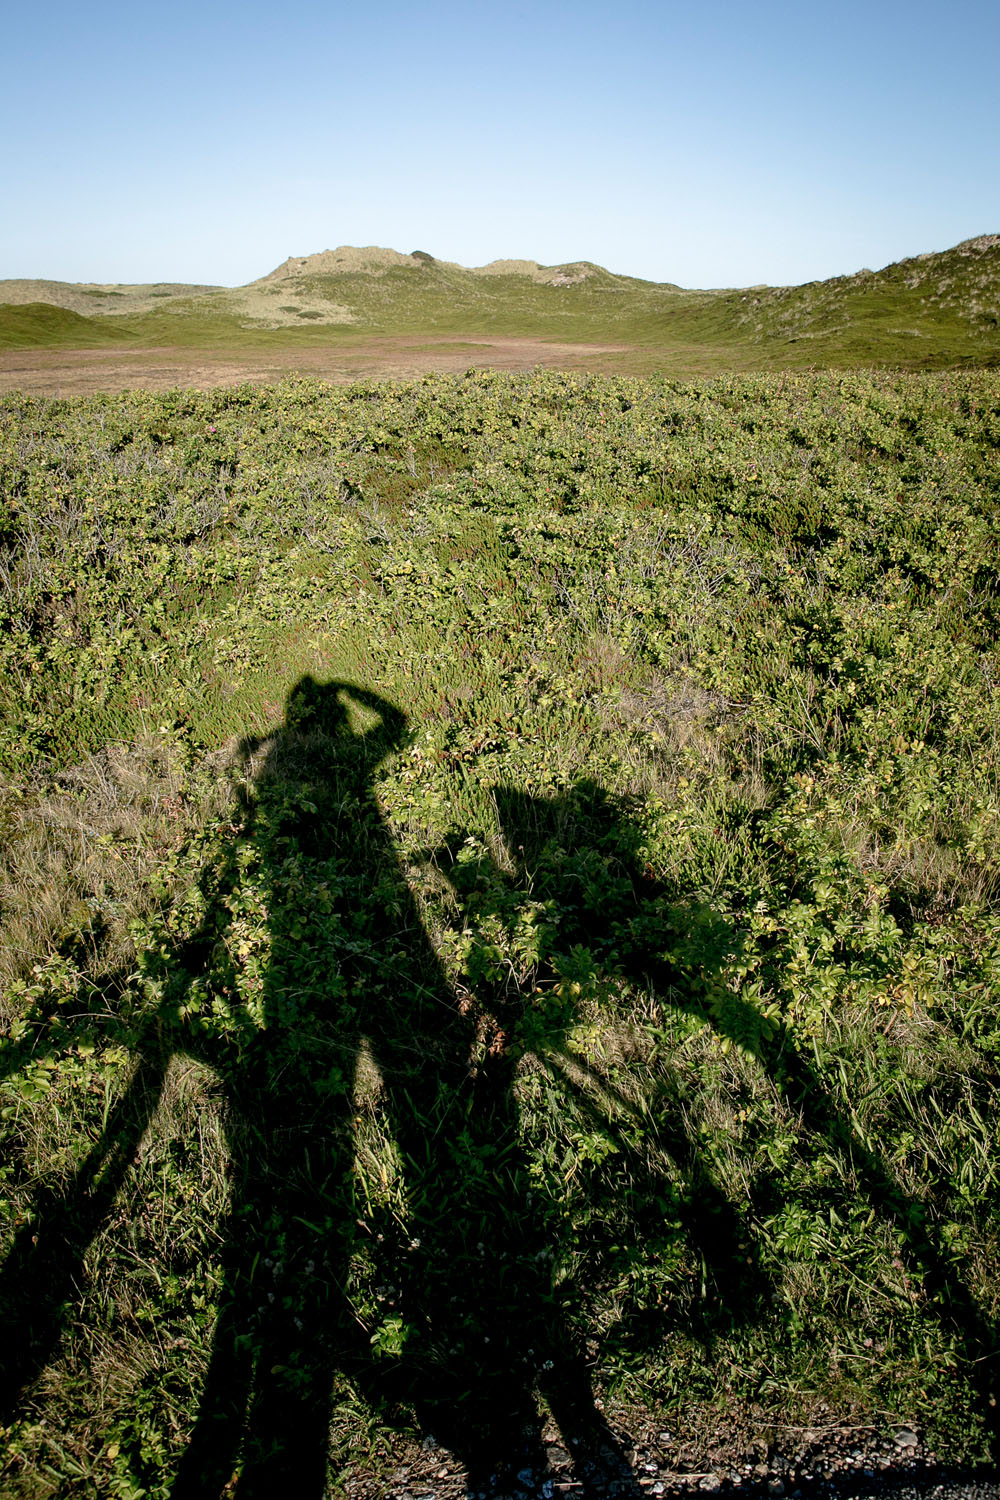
{"points": [[840, 1464]]}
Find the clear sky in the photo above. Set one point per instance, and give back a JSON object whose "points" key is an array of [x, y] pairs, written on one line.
{"points": [[710, 142]]}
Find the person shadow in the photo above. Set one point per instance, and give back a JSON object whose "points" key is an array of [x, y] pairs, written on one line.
{"points": [[351, 973], [309, 954]]}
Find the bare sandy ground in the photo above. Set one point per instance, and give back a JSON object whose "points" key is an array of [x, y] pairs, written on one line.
{"points": [[80, 372]]}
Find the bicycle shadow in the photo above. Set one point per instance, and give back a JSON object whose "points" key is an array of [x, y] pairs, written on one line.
{"points": [[583, 850]]}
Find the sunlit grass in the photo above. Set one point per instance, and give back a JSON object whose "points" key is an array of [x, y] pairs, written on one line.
{"points": [[526, 847]]}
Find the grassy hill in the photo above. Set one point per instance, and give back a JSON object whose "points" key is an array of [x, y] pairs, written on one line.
{"points": [[931, 311], [40, 325], [951, 299]]}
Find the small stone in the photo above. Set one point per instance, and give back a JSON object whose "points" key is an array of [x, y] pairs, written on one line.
{"points": [[429, 1443], [905, 1438], [710, 1482], [665, 1437]]}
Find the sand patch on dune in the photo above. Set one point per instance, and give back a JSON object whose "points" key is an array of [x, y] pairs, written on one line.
{"points": [[281, 304]]}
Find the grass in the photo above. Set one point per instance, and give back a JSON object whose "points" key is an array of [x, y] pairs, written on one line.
{"points": [[500, 913], [39, 325]]}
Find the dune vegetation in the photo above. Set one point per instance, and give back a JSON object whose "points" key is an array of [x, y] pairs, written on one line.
{"points": [[500, 908]]}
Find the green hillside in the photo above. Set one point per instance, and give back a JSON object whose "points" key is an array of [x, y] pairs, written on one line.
{"points": [[930, 311], [39, 325], [919, 307]]}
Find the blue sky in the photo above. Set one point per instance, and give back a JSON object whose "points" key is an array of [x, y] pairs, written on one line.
{"points": [[710, 144]]}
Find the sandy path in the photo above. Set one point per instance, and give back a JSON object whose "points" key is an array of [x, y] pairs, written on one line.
{"points": [[78, 372]]}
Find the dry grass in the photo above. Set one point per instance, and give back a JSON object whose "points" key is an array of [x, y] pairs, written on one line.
{"points": [[94, 298], [80, 850]]}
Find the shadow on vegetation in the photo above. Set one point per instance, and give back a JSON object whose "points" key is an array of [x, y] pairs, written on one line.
{"points": [[351, 974]]}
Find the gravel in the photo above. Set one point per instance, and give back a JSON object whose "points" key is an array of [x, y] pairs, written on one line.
{"points": [[826, 1464]]}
